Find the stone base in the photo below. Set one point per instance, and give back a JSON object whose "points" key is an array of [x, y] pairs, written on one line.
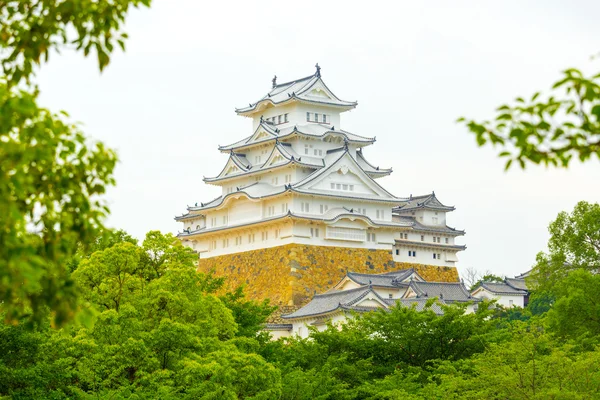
{"points": [[290, 275]]}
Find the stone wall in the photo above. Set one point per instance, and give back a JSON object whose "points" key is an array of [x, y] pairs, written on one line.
{"points": [[291, 274]]}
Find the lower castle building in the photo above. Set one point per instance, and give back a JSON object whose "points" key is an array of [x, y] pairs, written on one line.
{"points": [[300, 205]]}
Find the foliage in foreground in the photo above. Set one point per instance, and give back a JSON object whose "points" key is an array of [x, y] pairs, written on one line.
{"points": [[51, 176], [159, 331], [549, 131]]}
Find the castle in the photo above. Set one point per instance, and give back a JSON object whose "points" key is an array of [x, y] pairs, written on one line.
{"points": [[300, 204]]}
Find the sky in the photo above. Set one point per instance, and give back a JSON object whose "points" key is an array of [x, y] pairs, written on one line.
{"points": [[414, 67]]}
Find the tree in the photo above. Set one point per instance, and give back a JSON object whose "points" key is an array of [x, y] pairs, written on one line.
{"points": [[51, 176], [574, 244], [473, 276], [576, 311], [155, 335], [548, 131]]}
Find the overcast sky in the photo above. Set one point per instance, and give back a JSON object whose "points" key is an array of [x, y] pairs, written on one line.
{"points": [[414, 67]]}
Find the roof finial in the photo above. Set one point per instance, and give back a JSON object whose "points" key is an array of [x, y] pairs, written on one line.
{"points": [[318, 73], [274, 81]]}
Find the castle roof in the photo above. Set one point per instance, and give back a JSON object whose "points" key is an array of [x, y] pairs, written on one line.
{"points": [[310, 89], [417, 226], [389, 279], [308, 130], [428, 201], [333, 301], [330, 219], [449, 292], [500, 288], [516, 283]]}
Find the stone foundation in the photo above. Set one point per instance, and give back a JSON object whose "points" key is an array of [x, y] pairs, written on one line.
{"points": [[290, 275]]}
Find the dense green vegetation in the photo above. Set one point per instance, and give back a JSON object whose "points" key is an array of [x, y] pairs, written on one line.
{"points": [[89, 313], [155, 328]]}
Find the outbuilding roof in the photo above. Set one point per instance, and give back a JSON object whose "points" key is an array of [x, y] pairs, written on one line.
{"points": [[516, 283], [332, 301], [447, 291], [500, 288], [388, 279]]}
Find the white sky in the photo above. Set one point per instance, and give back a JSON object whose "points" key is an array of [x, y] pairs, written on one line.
{"points": [[414, 67]]}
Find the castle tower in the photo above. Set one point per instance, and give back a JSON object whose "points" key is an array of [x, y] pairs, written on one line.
{"points": [[300, 204]]}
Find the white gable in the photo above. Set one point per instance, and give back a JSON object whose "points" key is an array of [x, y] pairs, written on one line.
{"points": [[351, 179]]}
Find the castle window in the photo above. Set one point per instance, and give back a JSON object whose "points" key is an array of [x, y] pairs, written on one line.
{"points": [[397, 252], [390, 296], [305, 207], [371, 237], [308, 116], [446, 240], [510, 303], [351, 188], [284, 208], [434, 256], [324, 118], [338, 186], [197, 227], [344, 187], [316, 117], [279, 119], [285, 117], [224, 219], [422, 238], [314, 232]]}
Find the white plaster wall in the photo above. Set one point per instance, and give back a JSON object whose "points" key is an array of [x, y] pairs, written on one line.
{"points": [[502, 300], [277, 334], [423, 256]]}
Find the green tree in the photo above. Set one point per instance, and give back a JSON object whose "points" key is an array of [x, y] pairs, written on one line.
{"points": [[576, 311], [155, 335], [574, 244], [550, 130], [51, 176]]}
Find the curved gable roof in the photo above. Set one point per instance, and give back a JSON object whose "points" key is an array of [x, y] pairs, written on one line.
{"points": [[297, 90]]}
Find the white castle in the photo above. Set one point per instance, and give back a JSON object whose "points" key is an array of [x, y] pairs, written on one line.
{"points": [[299, 178]]}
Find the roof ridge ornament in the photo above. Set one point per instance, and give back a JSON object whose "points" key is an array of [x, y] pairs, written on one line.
{"points": [[318, 73], [274, 81]]}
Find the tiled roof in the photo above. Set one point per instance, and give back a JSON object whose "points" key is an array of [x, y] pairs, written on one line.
{"points": [[389, 279], [446, 291], [501, 288], [516, 283], [424, 201], [425, 228], [296, 90], [332, 301], [312, 130], [278, 327]]}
